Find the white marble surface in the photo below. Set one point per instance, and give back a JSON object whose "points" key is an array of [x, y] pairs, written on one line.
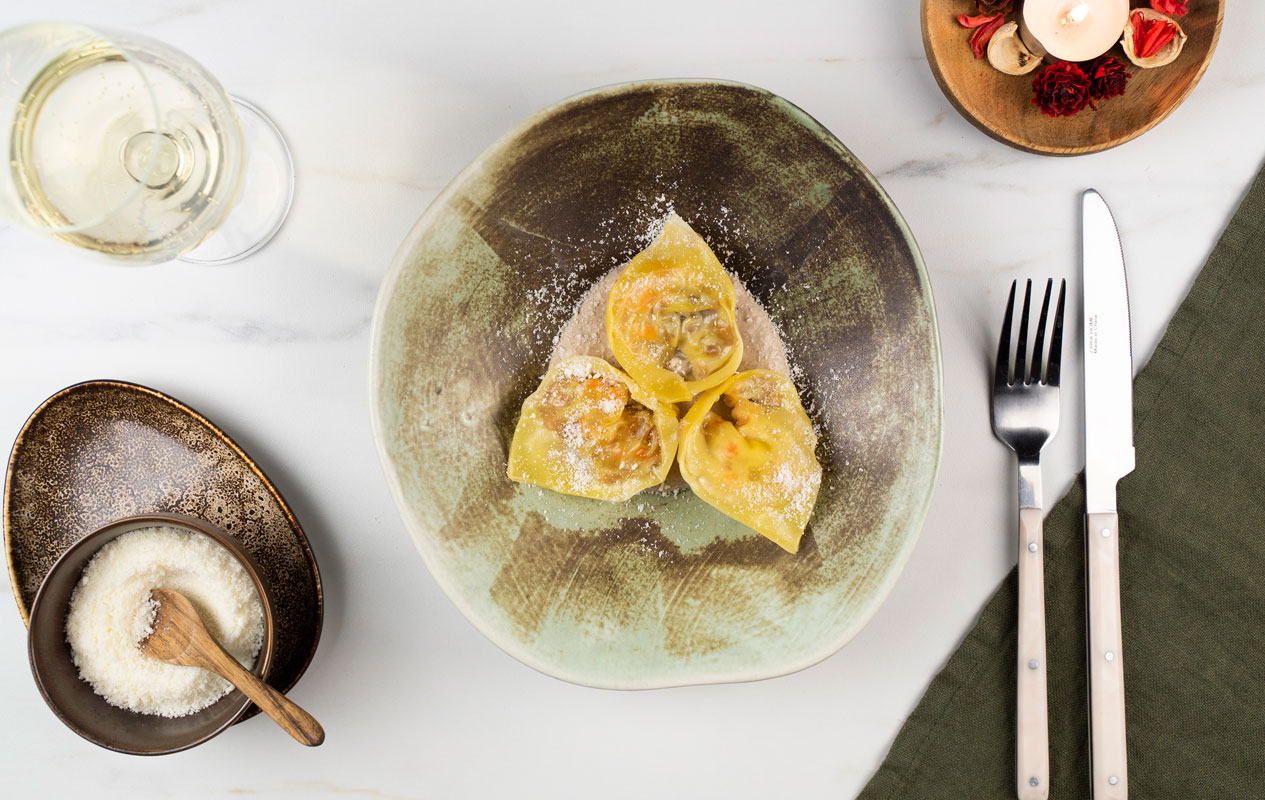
{"points": [[383, 102]]}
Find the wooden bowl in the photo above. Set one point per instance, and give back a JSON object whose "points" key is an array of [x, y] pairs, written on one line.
{"points": [[72, 699], [1001, 105]]}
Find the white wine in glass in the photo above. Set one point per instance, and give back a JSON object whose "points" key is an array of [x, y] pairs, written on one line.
{"points": [[127, 147]]}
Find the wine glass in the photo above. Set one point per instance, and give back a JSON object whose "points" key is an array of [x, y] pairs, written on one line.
{"points": [[125, 146]]}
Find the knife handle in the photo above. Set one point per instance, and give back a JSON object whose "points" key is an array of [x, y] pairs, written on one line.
{"points": [[1032, 734], [1109, 778]]}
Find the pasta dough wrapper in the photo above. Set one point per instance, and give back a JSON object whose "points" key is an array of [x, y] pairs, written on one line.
{"points": [[748, 449], [670, 316], [589, 430]]}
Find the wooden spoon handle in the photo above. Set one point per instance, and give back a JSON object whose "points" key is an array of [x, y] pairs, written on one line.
{"points": [[284, 711]]}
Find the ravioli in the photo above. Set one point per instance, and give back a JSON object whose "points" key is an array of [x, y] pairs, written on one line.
{"points": [[590, 431], [670, 316], [747, 448]]}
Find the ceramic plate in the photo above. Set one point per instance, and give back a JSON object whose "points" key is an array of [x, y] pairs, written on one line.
{"points": [[102, 450], [662, 590]]}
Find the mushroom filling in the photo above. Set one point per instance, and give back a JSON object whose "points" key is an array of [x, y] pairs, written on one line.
{"points": [[690, 341], [599, 417], [740, 430]]}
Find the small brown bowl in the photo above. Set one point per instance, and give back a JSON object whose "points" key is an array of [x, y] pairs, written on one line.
{"points": [[72, 699]]}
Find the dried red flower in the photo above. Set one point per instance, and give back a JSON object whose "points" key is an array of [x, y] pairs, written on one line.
{"points": [[1061, 89], [984, 26], [1174, 8], [1107, 78], [991, 7], [1150, 35]]}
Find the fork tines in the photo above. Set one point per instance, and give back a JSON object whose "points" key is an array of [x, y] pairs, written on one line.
{"points": [[1022, 373]]}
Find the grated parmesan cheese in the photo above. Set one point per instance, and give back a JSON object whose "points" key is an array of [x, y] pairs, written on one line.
{"points": [[111, 613]]}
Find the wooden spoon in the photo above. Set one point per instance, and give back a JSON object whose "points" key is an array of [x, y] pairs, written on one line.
{"points": [[179, 637]]}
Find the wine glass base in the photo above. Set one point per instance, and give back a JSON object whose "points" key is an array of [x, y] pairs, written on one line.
{"points": [[264, 198]]}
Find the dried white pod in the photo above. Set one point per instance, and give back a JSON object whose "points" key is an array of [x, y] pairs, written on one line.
{"points": [[1166, 54], [1008, 53]]}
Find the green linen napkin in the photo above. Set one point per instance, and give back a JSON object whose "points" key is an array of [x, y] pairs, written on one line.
{"points": [[1192, 550]]}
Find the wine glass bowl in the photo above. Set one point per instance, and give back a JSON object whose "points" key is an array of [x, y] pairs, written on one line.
{"points": [[125, 146]]}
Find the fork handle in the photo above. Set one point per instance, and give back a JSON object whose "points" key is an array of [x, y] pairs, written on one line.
{"points": [[1107, 755], [1032, 737]]}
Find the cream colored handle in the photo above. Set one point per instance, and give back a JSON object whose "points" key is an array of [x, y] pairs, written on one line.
{"points": [[1109, 778], [1032, 733]]}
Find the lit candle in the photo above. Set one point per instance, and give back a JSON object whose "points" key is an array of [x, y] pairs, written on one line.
{"points": [[1073, 30]]}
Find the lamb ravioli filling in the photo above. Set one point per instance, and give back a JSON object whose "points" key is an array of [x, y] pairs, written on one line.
{"points": [[670, 316], [748, 449], [590, 431]]}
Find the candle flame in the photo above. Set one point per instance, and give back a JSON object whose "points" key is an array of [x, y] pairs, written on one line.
{"points": [[1076, 14]]}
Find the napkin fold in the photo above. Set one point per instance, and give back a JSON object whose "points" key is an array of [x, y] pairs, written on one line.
{"points": [[1192, 551]]}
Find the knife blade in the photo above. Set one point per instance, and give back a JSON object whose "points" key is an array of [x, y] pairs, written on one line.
{"points": [[1109, 456]]}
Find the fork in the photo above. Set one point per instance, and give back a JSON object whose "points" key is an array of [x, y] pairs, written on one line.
{"points": [[1025, 417]]}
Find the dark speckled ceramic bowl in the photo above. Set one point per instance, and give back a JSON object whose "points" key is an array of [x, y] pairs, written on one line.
{"points": [[102, 450], [73, 700], [661, 590]]}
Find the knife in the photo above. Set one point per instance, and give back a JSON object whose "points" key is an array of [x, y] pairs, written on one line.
{"points": [[1108, 458]]}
